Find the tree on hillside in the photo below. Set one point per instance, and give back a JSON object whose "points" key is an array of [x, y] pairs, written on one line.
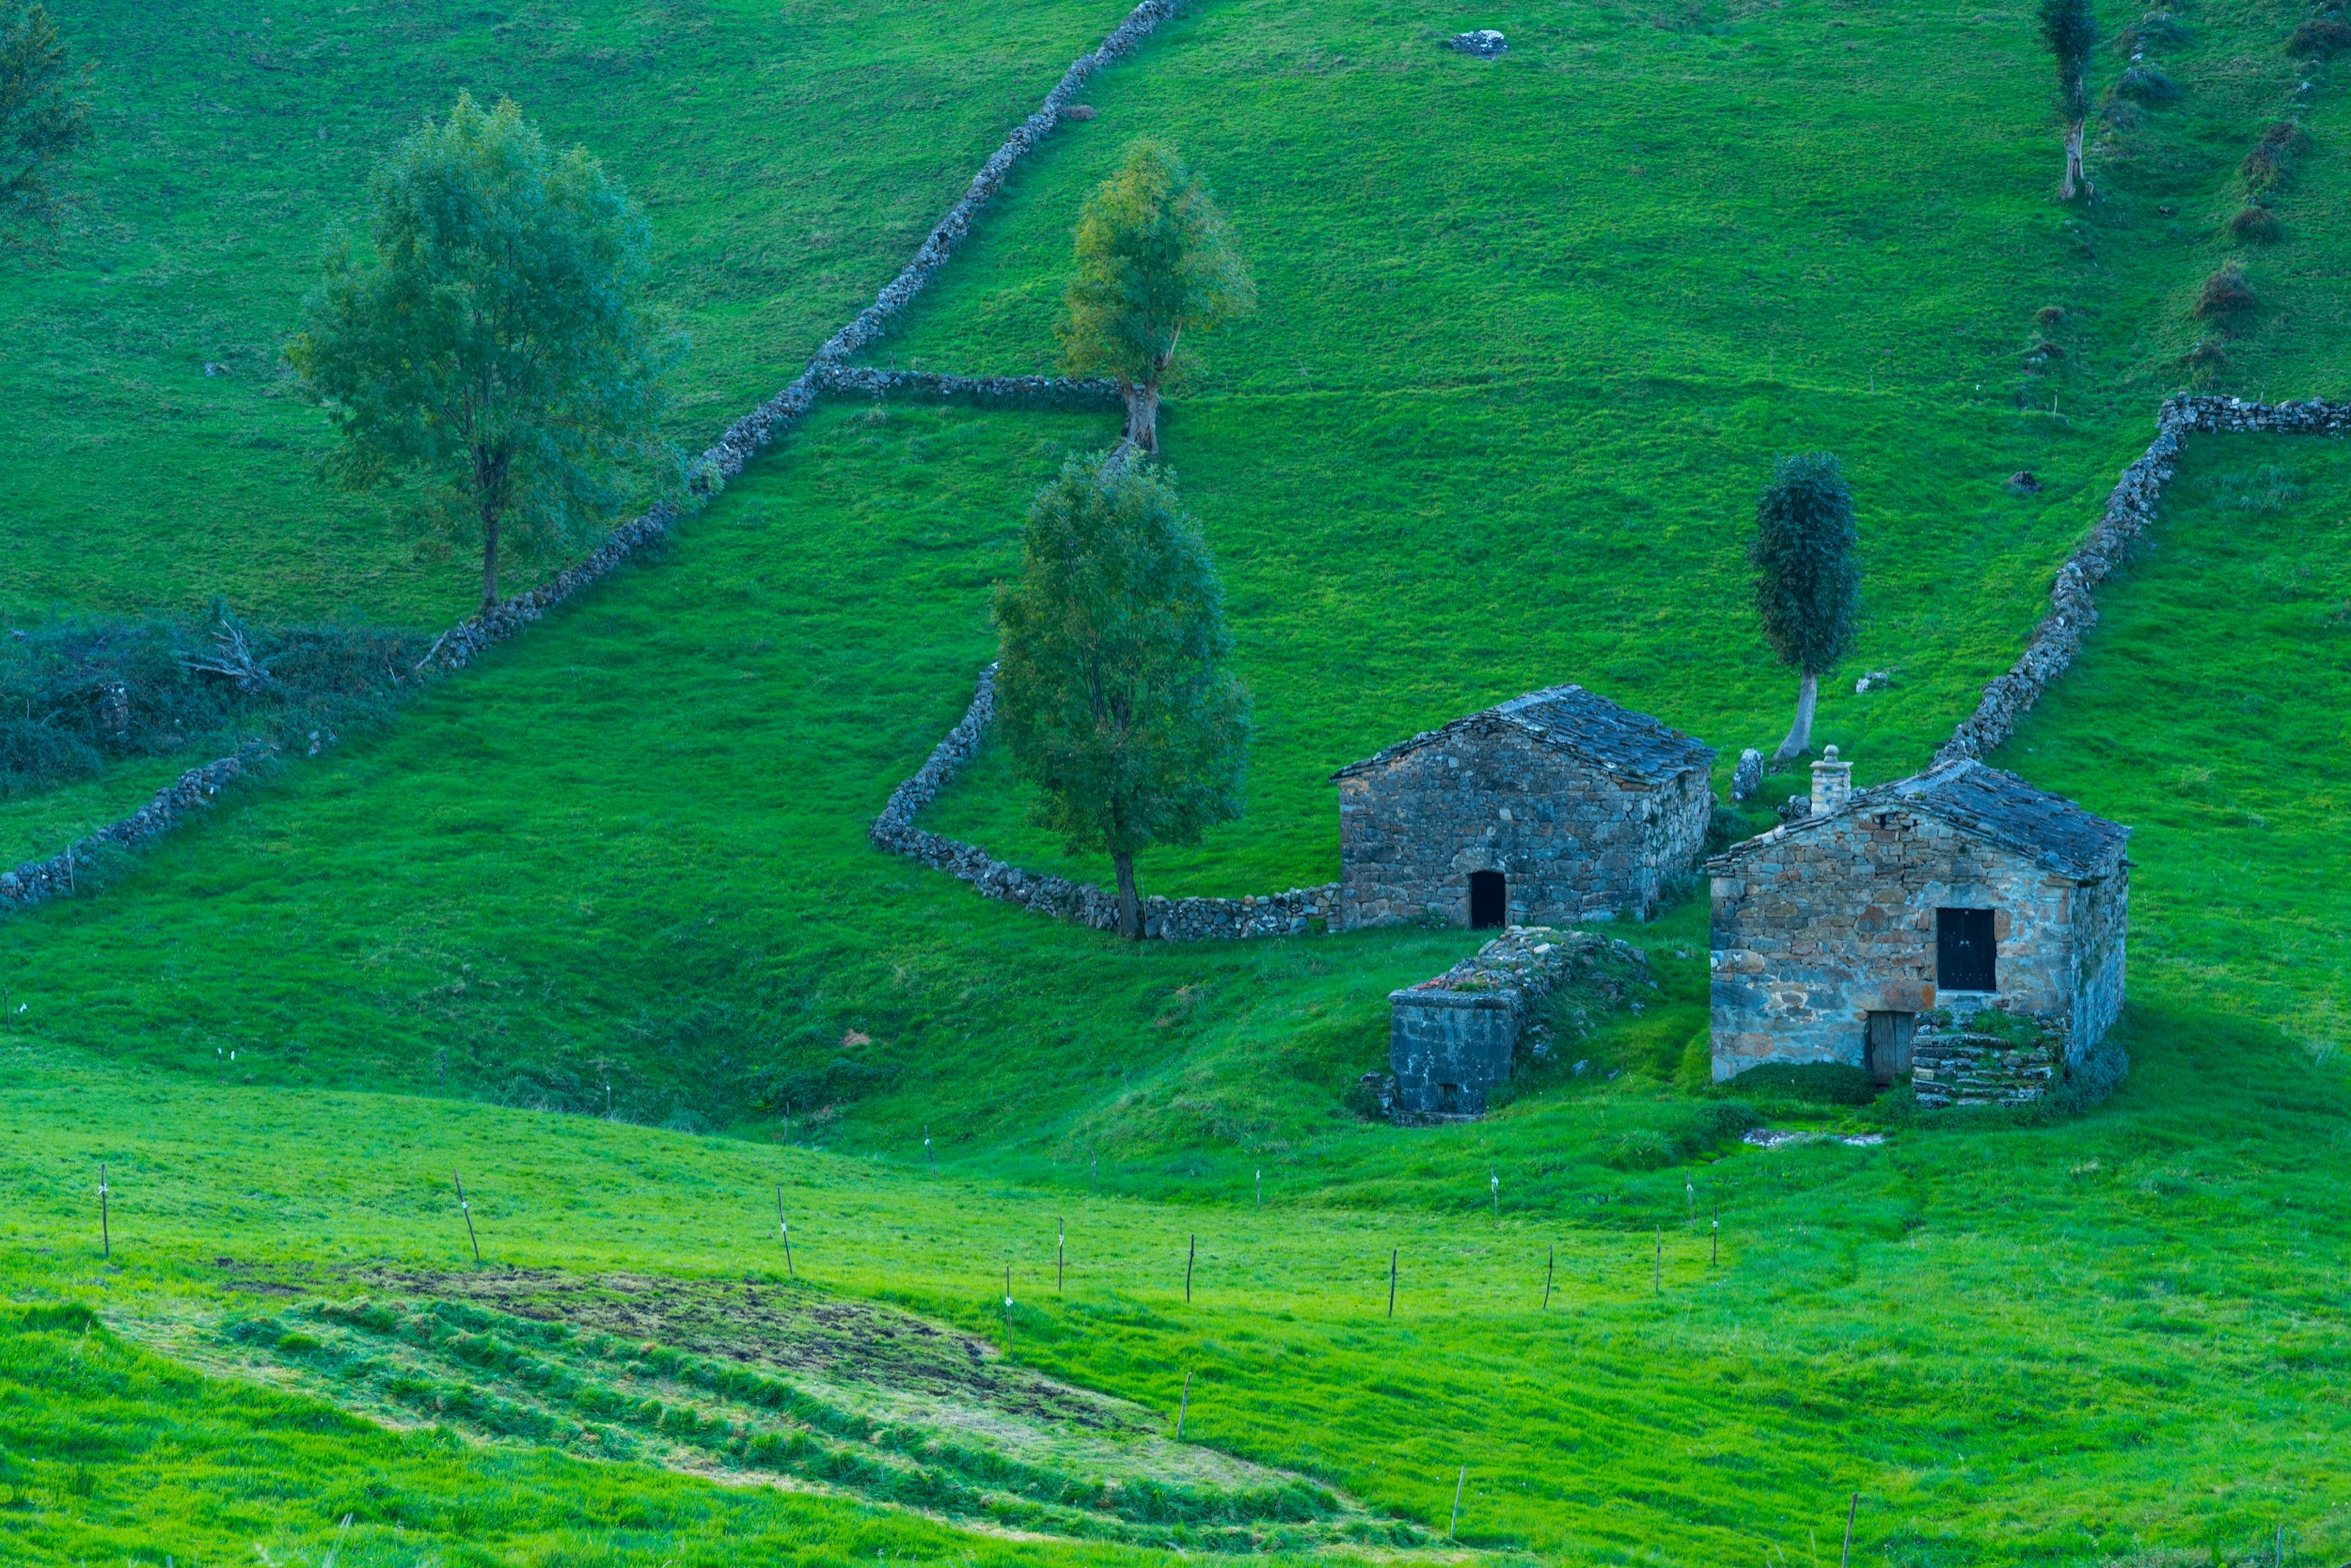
{"points": [[1113, 691], [1155, 262], [2070, 28], [40, 120], [487, 339], [1807, 578]]}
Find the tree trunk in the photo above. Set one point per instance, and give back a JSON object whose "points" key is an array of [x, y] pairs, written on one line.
{"points": [[2076, 181], [489, 557], [1130, 903], [1142, 416], [1800, 734]]}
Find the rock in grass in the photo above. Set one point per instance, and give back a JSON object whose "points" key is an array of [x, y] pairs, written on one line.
{"points": [[1484, 42], [1748, 777], [2023, 483]]}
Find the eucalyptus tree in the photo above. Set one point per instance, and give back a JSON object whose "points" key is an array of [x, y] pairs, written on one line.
{"points": [[1155, 261], [1113, 692], [487, 339], [2070, 28], [41, 121]]}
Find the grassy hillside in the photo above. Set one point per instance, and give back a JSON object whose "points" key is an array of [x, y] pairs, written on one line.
{"points": [[1531, 331], [790, 159]]}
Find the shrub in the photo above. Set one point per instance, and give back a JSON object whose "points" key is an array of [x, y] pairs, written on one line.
{"points": [[81, 690], [2148, 84], [2205, 357], [2255, 224], [2048, 316], [2320, 38], [2225, 293], [1809, 1083]]}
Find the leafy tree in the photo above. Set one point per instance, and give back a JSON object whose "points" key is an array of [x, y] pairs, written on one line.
{"points": [[40, 120], [1155, 262], [1112, 691], [2070, 28], [488, 338], [1808, 577]]}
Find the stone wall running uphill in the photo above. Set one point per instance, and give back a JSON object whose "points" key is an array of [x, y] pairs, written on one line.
{"points": [[827, 370], [2130, 508]]}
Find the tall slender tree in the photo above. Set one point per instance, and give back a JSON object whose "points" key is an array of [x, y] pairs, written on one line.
{"points": [[1807, 576], [1155, 262], [41, 121], [1113, 691], [2070, 28], [488, 339]]}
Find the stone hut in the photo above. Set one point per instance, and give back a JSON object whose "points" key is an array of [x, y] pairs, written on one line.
{"points": [[1554, 808], [1957, 892]]}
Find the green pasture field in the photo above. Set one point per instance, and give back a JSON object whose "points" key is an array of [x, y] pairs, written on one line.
{"points": [[790, 159], [1532, 333]]}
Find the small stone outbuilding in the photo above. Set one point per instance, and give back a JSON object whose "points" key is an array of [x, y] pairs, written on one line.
{"points": [[1556, 808], [1957, 892]]}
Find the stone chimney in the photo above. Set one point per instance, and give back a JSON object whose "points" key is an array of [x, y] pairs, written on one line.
{"points": [[1831, 782]]}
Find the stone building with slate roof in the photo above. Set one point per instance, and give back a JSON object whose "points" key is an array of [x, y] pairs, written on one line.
{"points": [[1961, 890], [1550, 808]]}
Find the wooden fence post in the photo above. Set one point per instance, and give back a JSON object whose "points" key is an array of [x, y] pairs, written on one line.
{"points": [[1549, 1261], [1850, 1509], [782, 1226], [467, 1210], [1061, 1249], [1188, 1259], [1458, 1483], [1184, 1409], [1392, 1277], [105, 1226]]}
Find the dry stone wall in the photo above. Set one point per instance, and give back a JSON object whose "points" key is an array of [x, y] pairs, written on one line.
{"points": [[35, 880], [1293, 913], [2129, 510], [827, 370], [1951, 1064]]}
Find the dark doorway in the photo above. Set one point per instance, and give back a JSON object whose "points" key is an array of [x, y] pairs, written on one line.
{"points": [[1448, 1099], [1888, 1054], [1965, 955], [1489, 905]]}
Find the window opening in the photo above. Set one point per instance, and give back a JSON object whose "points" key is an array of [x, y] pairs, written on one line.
{"points": [[1488, 902], [1965, 954]]}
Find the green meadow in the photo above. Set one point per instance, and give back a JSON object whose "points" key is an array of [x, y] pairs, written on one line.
{"points": [[596, 925]]}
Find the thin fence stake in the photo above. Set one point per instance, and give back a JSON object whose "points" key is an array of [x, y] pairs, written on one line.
{"points": [[1061, 1250], [1093, 1171], [1458, 1483], [1392, 1274], [467, 1210], [1717, 1235], [1188, 1259], [1550, 1261], [1850, 1509], [928, 1154], [1658, 1270], [1691, 1187], [1184, 1409], [780, 1224], [105, 1226], [1261, 1190], [1494, 1180], [1008, 1309]]}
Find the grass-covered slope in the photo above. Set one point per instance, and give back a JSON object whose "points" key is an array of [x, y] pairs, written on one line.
{"points": [[2065, 1343], [789, 160]]}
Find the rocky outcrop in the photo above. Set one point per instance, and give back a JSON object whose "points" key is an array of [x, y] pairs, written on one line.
{"points": [[1293, 913]]}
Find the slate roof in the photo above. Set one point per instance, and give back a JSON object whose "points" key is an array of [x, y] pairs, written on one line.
{"points": [[1630, 745], [1989, 804]]}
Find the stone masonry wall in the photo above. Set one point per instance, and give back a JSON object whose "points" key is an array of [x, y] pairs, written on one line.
{"points": [[1572, 841], [1795, 969], [1462, 1028], [1287, 914], [721, 461], [2130, 508], [36, 880]]}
